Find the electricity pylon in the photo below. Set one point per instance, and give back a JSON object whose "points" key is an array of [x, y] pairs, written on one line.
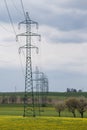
{"points": [[41, 88], [29, 92], [44, 89]]}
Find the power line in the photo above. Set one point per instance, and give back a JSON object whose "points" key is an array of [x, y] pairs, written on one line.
{"points": [[17, 9], [9, 16], [21, 66], [13, 30], [23, 8], [5, 28]]}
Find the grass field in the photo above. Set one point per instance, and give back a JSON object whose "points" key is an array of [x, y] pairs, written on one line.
{"points": [[11, 117], [17, 110], [41, 123]]}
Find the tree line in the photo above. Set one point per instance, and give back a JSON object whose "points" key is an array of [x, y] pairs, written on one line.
{"points": [[73, 90], [73, 104]]}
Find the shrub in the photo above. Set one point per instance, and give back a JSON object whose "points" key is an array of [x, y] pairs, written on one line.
{"points": [[60, 107], [71, 104], [82, 105]]}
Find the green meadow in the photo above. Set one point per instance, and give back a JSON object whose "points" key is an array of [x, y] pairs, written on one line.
{"points": [[11, 117], [17, 110]]}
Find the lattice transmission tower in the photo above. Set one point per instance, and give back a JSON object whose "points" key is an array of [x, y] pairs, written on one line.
{"points": [[44, 89], [29, 90], [41, 89]]}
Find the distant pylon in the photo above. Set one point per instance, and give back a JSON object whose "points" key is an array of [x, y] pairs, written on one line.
{"points": [[29, 92], [41, 88]]}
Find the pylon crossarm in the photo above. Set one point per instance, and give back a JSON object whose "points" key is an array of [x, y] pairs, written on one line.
{"points": [[19, 25], [28, 34], [37, 49], [21, 34], [28, 22], [23, 47], [34, 34]]}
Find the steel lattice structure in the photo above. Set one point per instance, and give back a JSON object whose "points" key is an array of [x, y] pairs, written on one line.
{"points": [[29, 93], [44, 89], [41, 89]]}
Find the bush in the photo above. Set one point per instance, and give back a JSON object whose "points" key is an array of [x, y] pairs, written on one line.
{"points": [[60, 107], [71, 104], [82, 105]]}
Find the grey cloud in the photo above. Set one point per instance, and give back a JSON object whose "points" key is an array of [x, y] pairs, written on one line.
{"points": [[70, 20], [78, 4], [14, 9], [41, 12], [68, 40], [58, 80], [9, 78], [64, 79], [8, 40]]}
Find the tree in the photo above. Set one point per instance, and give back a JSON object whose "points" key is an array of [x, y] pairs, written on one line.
{"points": [[71, 104], [60, 107], [68, 90], [79, 90], [12, 99], [71, 90], [82, 105]]}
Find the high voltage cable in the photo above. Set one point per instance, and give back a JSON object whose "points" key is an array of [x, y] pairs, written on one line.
{"points": [[16, 7], [5, 28], [23, 8], [9, 16], [13, 29]]}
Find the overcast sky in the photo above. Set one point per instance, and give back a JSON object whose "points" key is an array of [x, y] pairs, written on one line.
{"points": [[62, 50]]}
